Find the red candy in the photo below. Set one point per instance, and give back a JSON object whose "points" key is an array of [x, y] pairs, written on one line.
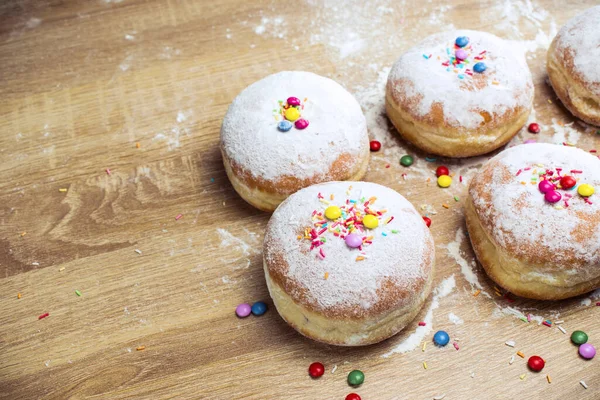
{"points": [[442, 170], [353, 396], [427, 221], [374, 145], [536, 363], [316, 370], [533, 128], [293, 101], [567, 182]]}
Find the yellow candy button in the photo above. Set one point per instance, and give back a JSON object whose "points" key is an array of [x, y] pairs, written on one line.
{"points": [[585, 190], [333, 212], [292, 114], [444, 181], [369, 221]]}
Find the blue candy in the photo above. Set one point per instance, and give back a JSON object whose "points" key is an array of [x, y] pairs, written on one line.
{"points": [[259, 308], [441, 338], [284, 125], [462, 41], [479, 67]]}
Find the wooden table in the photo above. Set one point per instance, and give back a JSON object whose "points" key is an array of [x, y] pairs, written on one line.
{"points": [[109, 129]]}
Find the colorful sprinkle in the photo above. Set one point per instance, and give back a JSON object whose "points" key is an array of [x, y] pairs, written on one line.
{"points": [[44, 315]]}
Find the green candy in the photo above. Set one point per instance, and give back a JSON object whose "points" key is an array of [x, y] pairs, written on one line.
{"points": [[356, 378], [579, 337], [407, 160]]}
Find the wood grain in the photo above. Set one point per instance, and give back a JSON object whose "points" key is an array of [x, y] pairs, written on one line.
{"points": [[83, 82]]}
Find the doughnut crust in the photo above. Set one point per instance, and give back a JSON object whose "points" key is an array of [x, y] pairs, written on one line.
{"points": [[527, 245], [265, 164], [572, 66], [340, 295], [446, 108]]}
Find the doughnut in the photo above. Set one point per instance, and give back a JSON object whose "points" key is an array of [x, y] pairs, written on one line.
{"points": [[291, 130], [459, 94], [573, 66], [348, 263], [534, 223]]}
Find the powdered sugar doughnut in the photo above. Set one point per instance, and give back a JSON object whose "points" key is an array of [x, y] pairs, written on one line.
{"points": [[572, 64], [339, 282], [532, 223], [271, 148], [459, 101]]}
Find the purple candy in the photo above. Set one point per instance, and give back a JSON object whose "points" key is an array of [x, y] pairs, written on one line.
{"points": [[552, 196], [293, 101], [545, 186], [528, 141], [243, 310], [461, 54], [586, 350], [301, 123], [353, 240]]}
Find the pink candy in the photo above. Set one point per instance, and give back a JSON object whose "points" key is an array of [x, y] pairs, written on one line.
{"points": [[293, 101], [552, 196], [353, 240], [461, 54], [301, 123], [545, 186]]}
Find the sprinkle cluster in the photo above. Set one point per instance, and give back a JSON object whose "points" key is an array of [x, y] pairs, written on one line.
{"points": [[556, 186], [290, 111], [350, 222], [462, 59]]}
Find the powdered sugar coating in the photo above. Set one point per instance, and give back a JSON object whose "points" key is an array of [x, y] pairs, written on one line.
{"points": [[404, 259], [250, 137], [420, 77], [579, 40], [519, 219]]}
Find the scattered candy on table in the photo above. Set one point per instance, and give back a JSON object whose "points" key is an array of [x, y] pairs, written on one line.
{"points": [[533, 128], [316, 370], [567, 182], [407, 160], [579, 337], [444, 181], [353, 240], [587, 351], [243, 310], [441, 338], [585, 190], [479, 67], [374, 145], [333, 212], [442, 170], [370, 221], [536, 363], [427, 221], [259, 308], [353, 396], [356, 378]]}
